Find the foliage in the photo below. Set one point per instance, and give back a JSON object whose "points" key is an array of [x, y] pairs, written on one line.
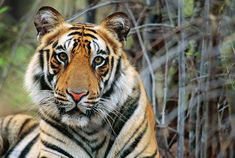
{"points": [[3, 9]]}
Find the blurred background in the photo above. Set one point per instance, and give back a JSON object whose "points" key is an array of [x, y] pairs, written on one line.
{"points": [[183, 49]]}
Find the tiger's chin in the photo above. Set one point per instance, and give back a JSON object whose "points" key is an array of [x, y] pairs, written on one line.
{"points": [[76, 118]]}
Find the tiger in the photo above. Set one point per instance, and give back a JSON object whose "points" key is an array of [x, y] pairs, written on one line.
{"points": [[91, 100]]}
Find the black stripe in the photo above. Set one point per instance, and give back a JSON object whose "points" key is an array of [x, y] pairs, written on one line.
{"points": [[48, 151], [127, 109], [49, 135], [20, 138], [143, 122], [66, 133], [54, 66], [88, 45], [108, 50], [49, 118], [75, 45], [56, 148], [135, 143], [91, 30], [111, 67], [41, 60], [145, 147], [5, 142], [75, 33], [26, 150], [75, 28], [50, 77], [47, 54], [80, 34], [23, 125], [80, 28], [5, 146], [55, 44], [40, 78], [28, 131], [61, 99], [60, 47], [98, 146], [102, 52], [44, 85], [84, 139], [116, 77], [7, 126], [90, 35], [90, 102], [90, 133]]}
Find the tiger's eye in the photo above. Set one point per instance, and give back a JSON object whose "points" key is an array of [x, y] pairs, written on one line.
{"points": [[98, 60], [62, 56]]}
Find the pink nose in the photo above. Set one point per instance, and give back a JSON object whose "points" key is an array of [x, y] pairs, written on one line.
{"points": [[76, 96]]}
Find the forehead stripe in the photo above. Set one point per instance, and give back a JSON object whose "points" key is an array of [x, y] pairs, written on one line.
{"points": [[75, 33], [80, 28], [80, 33], [91, 30], [90, 35]]}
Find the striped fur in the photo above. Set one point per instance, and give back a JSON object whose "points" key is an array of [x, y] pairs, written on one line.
{"points": [[112, 119]]}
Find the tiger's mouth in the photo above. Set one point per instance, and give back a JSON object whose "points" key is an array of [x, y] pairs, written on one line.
{"points": [[76, 110]]}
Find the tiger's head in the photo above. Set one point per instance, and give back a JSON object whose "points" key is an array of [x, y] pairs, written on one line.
{"points": [[79, 72]]}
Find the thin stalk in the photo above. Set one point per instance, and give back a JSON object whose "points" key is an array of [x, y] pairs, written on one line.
{"points": [[182, 84], [163, 122], [169, 13], [99, 5], [207, 51]]}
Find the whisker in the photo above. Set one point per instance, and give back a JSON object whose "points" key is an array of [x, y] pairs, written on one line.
{"points": [[99, 112], [113, 110]]}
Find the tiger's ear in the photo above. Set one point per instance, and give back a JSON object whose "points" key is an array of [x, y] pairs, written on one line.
{"points": [[47, 18], [118, 23]]}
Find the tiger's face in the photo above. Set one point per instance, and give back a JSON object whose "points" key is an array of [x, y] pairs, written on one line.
{"points": [[82, 64], [73, 72]]}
